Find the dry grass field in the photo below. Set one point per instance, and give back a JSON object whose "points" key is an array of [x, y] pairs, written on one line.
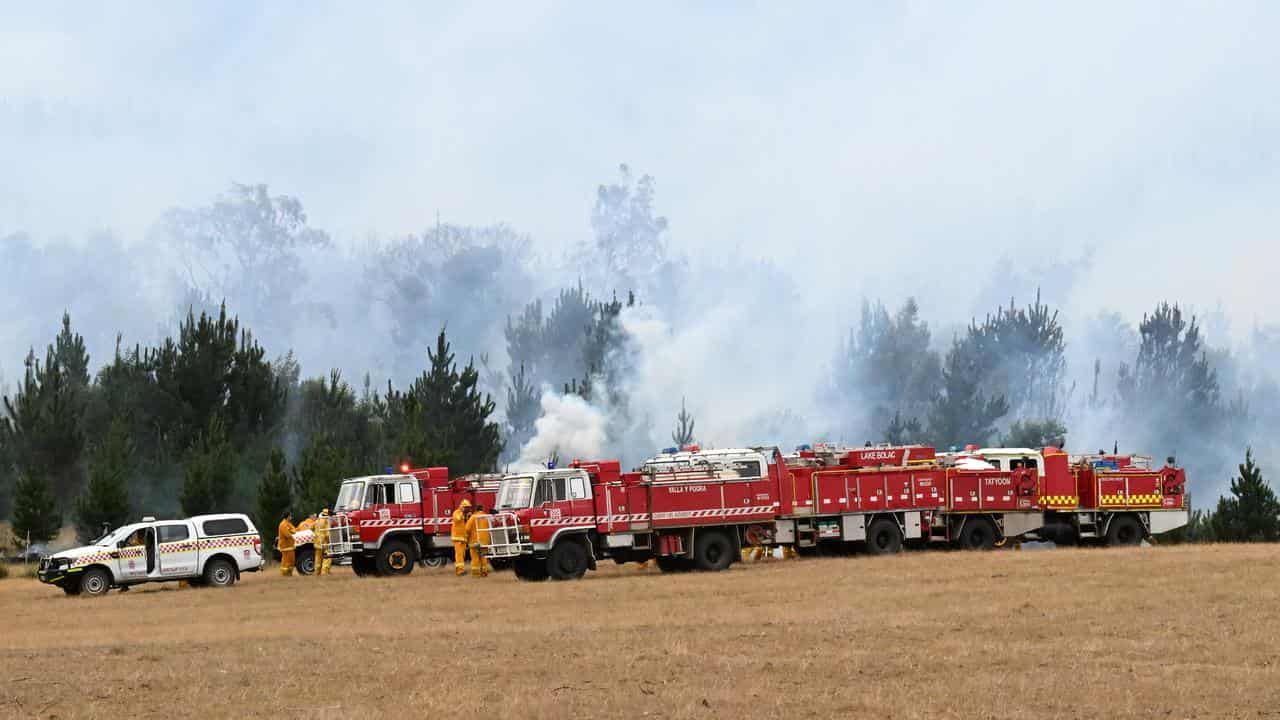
{"points": [[1148, 632]]}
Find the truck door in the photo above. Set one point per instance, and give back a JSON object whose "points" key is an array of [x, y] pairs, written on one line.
{"points": [[177, 550], [134, 553], [581, 508]]}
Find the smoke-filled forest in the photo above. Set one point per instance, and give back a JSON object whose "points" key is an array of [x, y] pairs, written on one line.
{"points": [[238, 355]]}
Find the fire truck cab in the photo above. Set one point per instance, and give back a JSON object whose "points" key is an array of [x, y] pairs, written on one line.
{"points": [[684, 511], [387, 523]]}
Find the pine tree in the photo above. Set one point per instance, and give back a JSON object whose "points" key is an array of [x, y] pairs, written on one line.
{"points": [[35, 514], [683, 433], [105, 500], [903, 431], [274, 497], [962, 413], [211, 472], [1035, 434], [1252, 513], [317, 475]]}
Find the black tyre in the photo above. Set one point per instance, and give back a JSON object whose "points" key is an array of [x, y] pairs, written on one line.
{"points": [[978, 533], [304, 560], [884, 537], [530, 569], [672, 564], [500, 563], [70, 588], [395, 558], [435, 561], [95, 582], [712, 551], [567, 561], [362, 565], [1124, 530], [219, 572]]}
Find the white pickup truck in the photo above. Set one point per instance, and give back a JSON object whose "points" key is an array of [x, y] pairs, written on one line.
{"points": [[203, 550]]}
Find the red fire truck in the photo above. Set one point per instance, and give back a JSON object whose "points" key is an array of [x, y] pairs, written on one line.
{"points": [[558, 522], [879, 497], [697, 509], [387, 523]]}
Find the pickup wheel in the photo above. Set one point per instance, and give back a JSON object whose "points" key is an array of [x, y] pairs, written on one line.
{"points": [[70, 588], [95, 582], [435, 561], [219, 572], [884, 537], [978, 534], [395, 558], [305, 560], [567, 561], [530, 568], [712, 551]]}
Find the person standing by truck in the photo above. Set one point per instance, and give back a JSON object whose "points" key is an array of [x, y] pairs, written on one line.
{"points": [[477, 538], [458, 533], [320, 544], [284, 543]]}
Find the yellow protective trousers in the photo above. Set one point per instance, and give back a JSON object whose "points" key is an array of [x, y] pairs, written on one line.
{"points": [[286, 562], [459, 557], [479, 566]]}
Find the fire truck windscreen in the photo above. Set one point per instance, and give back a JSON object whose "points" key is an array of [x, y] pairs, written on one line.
{"points": [[515, 492], [349, 496]]}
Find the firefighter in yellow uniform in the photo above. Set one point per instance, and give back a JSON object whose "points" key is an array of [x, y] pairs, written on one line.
{"points": [[284, 543], [321, 543], [307, 524], [477, 537], [789, 552], [458, 533]]}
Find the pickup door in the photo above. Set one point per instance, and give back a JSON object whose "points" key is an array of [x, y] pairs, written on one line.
{"points": [[177, 550]]}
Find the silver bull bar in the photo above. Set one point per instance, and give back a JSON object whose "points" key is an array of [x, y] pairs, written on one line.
{"points": [[505, 537], [341, 534]]}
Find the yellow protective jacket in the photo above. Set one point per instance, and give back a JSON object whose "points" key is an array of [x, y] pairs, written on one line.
{"points": [[284, 535], [304, 525], [478, 529], [322, 530], [459, 530]]}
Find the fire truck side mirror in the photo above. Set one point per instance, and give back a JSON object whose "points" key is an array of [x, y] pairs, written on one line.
{"points": [[546, 505]]}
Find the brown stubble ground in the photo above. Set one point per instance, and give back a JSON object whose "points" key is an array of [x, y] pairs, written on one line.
{"points": [[1148, 632]]}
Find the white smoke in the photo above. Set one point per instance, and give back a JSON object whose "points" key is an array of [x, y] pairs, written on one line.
{"points": [[569, 427]]}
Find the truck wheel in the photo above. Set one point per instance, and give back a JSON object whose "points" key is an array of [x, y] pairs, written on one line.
{"points": [[95, 582], [219, 573], [883, 537], [530, 568], [304, 560], [395, 558], [1124, 530], [978, 534], [672, 564], [567, 561], [712, 551], [361, 565]]}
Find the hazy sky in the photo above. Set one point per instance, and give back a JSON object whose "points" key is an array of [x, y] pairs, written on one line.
{"points": [[905, 146]]}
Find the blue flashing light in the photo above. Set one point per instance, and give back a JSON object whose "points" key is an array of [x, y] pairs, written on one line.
{"points": [[670, 451], [551, 464], [389, 471], [804, 448]]}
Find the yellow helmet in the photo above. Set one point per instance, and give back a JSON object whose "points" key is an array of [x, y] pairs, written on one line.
{"points": [[324, 512], [465, 503]]}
